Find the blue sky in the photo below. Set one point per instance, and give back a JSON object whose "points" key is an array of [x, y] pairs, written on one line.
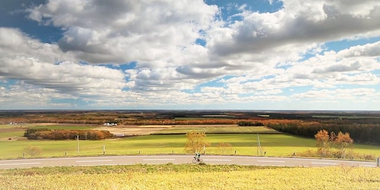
{"points": [[212, 54]]}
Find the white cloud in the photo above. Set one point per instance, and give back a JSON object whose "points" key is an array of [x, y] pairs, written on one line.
{"points": [[125, 31], [26, 59], [22, 95], [262, 54], [14, 43], [297, 25], [343, 67], [368, 50], [336, 95]]}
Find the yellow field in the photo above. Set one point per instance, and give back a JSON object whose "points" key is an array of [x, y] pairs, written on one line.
{"points": [[331, 178]]}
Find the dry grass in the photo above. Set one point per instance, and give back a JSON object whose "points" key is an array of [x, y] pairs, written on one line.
{"points": [[131, 130]]}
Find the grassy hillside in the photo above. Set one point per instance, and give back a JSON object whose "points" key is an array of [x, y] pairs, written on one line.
{"points": [[191, 177]]}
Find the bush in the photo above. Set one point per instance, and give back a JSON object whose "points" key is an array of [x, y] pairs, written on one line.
{"points": [[32, 150], [31, 133]]}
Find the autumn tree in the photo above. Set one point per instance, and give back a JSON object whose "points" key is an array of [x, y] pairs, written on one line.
{"points": [[196, 141], [323, 142], [342, 143]]}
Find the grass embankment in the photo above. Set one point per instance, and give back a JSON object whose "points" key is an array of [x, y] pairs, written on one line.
{"points": [[191, 177]]}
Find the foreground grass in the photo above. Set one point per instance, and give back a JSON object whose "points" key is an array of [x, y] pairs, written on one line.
{"points": [[191, 177], [243, 144]]}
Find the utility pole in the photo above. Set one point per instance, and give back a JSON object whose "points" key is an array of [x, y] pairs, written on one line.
{"points": [[78, 143], [259, 148]]}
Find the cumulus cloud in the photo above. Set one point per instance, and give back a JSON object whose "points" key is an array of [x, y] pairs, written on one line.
{"points": [[357, 94], [124, 31], [158, 35], [354, 65], [22, 95], [368, 50], [253, 59], [299, 23], [44, 65], [14, 43]]}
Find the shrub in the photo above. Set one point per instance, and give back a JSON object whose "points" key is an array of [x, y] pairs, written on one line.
{"points": [[30, 133], [32, 150]]}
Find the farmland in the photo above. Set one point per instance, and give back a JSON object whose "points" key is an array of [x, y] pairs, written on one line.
{"points": [[243, 144], [163, 132]]}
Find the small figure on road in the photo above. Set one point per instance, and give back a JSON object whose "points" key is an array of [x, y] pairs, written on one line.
{"points": [[197, 156]]}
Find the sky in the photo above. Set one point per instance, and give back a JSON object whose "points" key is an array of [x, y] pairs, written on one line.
{"points": [[190, 54]]}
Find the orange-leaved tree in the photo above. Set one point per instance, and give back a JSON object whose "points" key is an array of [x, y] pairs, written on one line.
{"points": [[196, 142], [323, 142], [342, 142]]}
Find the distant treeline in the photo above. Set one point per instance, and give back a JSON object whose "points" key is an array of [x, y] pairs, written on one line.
{"points": [[361, 133], [250, 123], [38, 134]]}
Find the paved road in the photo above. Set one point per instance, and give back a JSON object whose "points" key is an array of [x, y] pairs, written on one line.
{"points": [[177, 159]]}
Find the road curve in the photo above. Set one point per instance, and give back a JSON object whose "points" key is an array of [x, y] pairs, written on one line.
{"points": [[178, 159]]}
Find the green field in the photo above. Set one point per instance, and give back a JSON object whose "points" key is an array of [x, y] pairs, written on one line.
{"points": [[11, 131], [66, 127], [240, 140], [243, 144]]}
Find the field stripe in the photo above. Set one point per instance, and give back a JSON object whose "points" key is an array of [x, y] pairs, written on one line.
{"points": [[81, 161], [218, 160], [158, 159], [324, 163], [15, 164], [274, 161]]}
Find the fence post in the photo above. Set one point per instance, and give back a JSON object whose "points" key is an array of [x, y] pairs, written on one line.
{"points": [[378, 162]]}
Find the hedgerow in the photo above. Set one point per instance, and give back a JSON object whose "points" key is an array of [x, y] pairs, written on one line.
{"points": [[38, 134]]}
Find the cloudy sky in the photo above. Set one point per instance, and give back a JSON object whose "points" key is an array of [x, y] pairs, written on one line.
{"points": [[190, 54]]}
